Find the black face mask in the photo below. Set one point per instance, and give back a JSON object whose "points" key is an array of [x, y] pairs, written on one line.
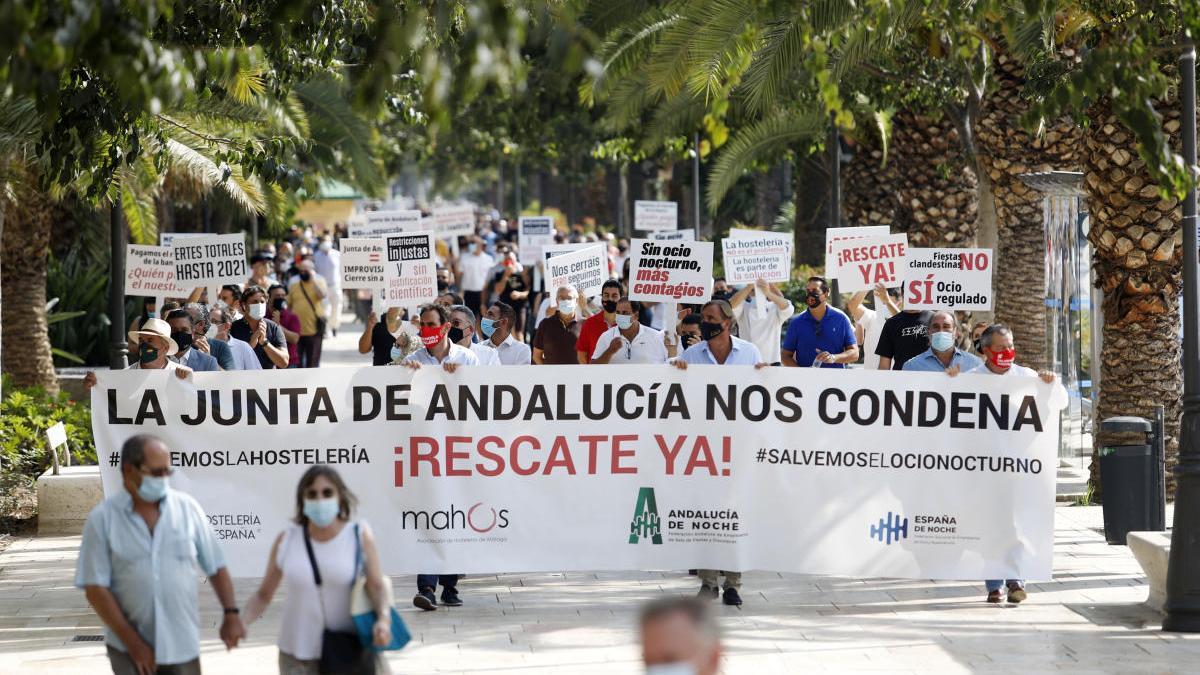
{"points": [[183, 339], [305, 276], [456, 334], [610, 306], [442, 286], [689, 339], [279, 304], [722, 295], [710, 330], [813, 299], [147, 353]]}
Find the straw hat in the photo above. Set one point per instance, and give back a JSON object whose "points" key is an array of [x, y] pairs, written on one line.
{"points": [[156, 328]]}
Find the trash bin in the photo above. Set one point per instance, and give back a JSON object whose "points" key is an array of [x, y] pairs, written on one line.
{"points": [[1129, 475]]}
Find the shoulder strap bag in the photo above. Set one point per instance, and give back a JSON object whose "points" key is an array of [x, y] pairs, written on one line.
{"points": [[342, 652]]}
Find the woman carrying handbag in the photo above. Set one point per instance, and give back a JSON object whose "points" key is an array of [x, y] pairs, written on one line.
{"points": [[325, 557]]}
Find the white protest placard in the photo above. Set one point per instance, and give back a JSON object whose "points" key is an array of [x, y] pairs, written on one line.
{"points": [[363, 262], [210, 260], [56, 434], [673, 235], [679, 271], [585, 269], [150, 271], [748, 258], [168, 238], [380, 223], [836, 234], [495, 470], [651, 215], [454, 221], [862, 263], [949, 278], [410, 274], [533, 232]]}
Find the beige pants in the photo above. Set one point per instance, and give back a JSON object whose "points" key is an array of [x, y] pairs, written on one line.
{"points": [[709, 578]]}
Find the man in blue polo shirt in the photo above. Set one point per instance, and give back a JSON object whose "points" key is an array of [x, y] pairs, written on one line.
{"points": [[943, 355], [820, 333]]}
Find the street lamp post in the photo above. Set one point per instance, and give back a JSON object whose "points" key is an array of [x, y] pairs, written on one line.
{"points": [[116, 290], [1183, 570]]}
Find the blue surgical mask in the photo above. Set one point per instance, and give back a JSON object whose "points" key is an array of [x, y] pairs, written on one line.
{"points": [[488, 326], [152, 314], [153, 488], [624, 321], [396, 352], [941, 341], [322, 512]]}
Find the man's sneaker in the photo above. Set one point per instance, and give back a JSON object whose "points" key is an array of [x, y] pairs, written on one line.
{"points": [[450, 598], [425, 600], [994, 597], [1016, 594], [707, 592], [732, 598]]}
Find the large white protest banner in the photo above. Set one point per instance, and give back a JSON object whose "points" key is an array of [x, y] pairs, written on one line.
{"points": [[150, 271], [410, 273], [670, 271], [585, 269], [363, 262], [673, 235], [862, 263], [757, 255], [210, 260], [487, 470], [834, 235], [453, 221], [373, 224], [651, 215], [949, 278], [533, 232]]}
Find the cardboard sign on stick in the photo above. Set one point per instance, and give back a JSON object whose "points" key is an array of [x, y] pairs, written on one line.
{"points": [[670, 271], [862, 263], [410, 275], [651, 215], [749, 258], [585, 269], [150, 271], [211, 260], [836, 234], [363, 262], [533, 232], [949, 278]]}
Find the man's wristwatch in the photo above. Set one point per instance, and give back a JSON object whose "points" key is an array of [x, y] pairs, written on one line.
{"points": [[231, 610]]}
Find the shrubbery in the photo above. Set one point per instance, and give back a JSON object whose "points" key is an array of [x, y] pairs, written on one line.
{"points": [[25, 414]]}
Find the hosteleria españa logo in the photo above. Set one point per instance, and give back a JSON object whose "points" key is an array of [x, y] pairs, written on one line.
{"points": [[890, 530], [646, 522]]}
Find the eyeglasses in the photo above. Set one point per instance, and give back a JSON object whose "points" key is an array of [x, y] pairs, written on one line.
{"points": [[157, 473], [325, 493]]}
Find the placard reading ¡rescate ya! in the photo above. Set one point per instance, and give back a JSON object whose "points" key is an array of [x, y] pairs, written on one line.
{"points": [[862, 263], [836, 234], [211, 260], [533, 232], [410, 274], [362, 263], [662, 271], [949, 278], [652, 215], [150, 271]]}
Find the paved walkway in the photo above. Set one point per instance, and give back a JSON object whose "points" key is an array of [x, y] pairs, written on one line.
{"points": [[1089, 618]]}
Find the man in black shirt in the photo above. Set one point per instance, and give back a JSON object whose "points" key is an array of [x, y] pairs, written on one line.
{"points": [[263, 334], [904, 336]]}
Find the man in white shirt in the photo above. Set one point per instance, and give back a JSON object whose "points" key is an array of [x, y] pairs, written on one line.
{"points": [[497, 327], [438, 349], [473, 271], [761, 310], [868, 323], [462, 333], [328, 263], [631, 342]]}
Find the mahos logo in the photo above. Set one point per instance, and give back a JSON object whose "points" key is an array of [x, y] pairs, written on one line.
{"points": [[478, 517]]}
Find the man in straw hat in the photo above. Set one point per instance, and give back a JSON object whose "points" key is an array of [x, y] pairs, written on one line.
{"points": [[154, 346]]}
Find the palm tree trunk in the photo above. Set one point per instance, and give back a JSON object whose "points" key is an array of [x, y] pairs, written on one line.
{"points": [[1006, 151], [26, 244], [1137, 246]]}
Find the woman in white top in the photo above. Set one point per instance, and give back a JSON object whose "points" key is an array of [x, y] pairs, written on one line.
{"points": [[631, 342], [324, 507]]}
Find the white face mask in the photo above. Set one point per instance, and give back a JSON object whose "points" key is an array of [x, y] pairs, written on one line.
{"points": [[681, 668], [258, 311], [211, 332], [566, 307]]}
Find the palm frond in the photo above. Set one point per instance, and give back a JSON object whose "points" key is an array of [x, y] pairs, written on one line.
{"points": [[340, 135], [137, 201], [192, 164], [781, 50], [720, 45], [668, 64], [680, 115], [624, 51], [758, 141]]}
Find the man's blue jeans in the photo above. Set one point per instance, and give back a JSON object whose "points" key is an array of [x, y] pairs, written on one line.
{"points": [[997, 584], [449, 582]]}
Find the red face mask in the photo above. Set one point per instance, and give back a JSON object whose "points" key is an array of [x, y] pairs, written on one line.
{"points": [[1003, 359], [431, 335]]}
